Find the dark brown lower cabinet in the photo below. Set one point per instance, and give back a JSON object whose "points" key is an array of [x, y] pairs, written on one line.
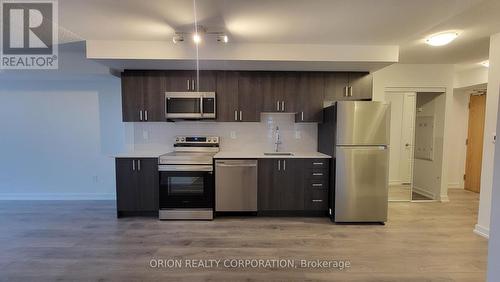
{"points": [[293, 185], [136, 186]]}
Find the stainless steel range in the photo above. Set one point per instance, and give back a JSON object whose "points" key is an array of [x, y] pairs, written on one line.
{"points": [[187, 178]]}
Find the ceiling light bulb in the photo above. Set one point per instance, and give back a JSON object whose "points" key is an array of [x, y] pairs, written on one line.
{"points": [[222, 38], [196, 38], [225, 39], [441, 39], [485, 64]]}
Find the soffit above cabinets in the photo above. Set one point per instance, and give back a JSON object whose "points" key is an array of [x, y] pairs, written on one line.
{"points": [[304, 57]]}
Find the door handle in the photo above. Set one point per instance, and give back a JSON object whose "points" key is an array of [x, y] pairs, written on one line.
{"points": [[192, 85], [146, 115], [187, 84], [133, 165], [345, 91], [140, 115], [235, 115], [279, 165], [317, 163], [277, 106], [241, 115], [282, 106], [350, 91], [317, 201], [302, 116], [139, 165], [284, 165]]}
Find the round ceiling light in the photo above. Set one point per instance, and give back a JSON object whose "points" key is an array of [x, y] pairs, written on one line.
{"points": [[441, 39]]}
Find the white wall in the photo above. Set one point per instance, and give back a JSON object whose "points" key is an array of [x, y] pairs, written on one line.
{"points": [[251, 136], [469, 77], [420, 76], [490, 125], [458, 133], [57, 137]]}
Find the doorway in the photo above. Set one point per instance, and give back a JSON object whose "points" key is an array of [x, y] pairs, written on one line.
{"points": [[475, 135], [416, 145]]}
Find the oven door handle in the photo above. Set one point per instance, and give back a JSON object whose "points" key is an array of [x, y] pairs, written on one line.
{"points": [[185, 168]]}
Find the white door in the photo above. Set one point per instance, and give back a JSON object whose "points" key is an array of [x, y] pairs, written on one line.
{"points": [[403, 108], [407, 138]]}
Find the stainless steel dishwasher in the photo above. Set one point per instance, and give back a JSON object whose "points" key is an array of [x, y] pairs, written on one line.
{"points": [[236, 185]]}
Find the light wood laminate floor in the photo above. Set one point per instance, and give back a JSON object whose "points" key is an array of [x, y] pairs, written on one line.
{"points": [[61, 240]]}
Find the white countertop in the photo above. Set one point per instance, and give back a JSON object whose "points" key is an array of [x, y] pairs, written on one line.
{"points": [[260, 155], [139, 154]]}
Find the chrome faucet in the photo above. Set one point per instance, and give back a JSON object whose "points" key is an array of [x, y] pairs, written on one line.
{"points": [[278, 140]]}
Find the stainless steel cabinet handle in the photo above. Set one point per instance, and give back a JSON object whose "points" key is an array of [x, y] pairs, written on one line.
{"points": [[236, 115], [317, 201], [302, 114], [284, 165], [317, 185], [146, 115], [318, 174], [345, 91], [282, 106], [187, 84], [317, 163], [241, 115], [350, 91], [139, 165], [133, 164], [140, 115], [279, 165], [192, 85], [277, 106]]}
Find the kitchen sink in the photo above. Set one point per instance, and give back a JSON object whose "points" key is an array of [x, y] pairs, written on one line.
{"points": [[278, 154]]}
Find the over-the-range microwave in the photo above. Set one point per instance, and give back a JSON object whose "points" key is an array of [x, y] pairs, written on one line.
{"points": [[190, 105]]}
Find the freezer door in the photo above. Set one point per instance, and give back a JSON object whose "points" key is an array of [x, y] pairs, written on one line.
{"points": [[361, 184], [363, 123]]}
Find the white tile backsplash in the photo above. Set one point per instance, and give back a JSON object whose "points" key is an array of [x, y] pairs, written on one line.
{"points": [[235, 136]]}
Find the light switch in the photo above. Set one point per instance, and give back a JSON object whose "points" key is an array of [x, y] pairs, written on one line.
{"points": [[233, 134]]}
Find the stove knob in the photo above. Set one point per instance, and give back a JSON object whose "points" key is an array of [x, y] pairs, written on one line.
{"points": [[182, 139]]}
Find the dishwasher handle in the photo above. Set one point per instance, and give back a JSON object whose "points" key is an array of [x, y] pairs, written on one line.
{"points": [[235, 165]]}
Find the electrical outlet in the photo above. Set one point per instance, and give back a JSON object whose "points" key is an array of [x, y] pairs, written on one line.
{"points": [[95, 179], [298, 134], [145, 134], [233, 134]]}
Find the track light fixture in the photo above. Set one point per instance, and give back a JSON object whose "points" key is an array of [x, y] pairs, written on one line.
{"points": [[199, 35]]}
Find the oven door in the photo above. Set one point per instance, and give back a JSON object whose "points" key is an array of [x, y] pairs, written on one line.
{"points": [[186, 186], [180, 105]]}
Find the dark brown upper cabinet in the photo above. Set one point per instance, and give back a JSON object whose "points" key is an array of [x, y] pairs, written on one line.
{"points": [[142, 96], [310, 95], [341, 86], [185, 81], [251, 87], [227, 96]]}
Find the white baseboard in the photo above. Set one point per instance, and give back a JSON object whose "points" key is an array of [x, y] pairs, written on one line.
{"points": [[56, 196], [424, 192], [455, 186], [482, 231], [444, 198]]}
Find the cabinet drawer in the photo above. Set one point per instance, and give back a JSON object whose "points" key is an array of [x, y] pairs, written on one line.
{"points": [[317, 163], [316, 199]]}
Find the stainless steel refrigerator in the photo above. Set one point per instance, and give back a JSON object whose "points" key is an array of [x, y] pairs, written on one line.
{"points": [[356, 133]]}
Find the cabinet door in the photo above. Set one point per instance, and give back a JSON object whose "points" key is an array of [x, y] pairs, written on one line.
{"points": [[179, 81], [361, 85], [289, 185], [126, 184], [310, 96], [268, 198], [154, 95], [207, 81], [148, 184], [291, 95], [249, 96], [335, 86], [132, 96], [227, 96]]}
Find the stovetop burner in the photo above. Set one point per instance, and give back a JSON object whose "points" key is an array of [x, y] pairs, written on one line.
{"points": [[192, 150]]}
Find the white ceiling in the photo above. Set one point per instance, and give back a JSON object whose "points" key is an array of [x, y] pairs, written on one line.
{"points": [[353, 22]]}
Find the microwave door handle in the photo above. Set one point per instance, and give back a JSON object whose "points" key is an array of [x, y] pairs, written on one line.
{"points": [[201, 106]]}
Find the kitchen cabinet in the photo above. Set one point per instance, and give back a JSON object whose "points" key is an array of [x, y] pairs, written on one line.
{"points": [[348, 86], [293, 185], [227, 96], [186, 80], [136, 186], [310, 96], [251, 87], [143, 96]]}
